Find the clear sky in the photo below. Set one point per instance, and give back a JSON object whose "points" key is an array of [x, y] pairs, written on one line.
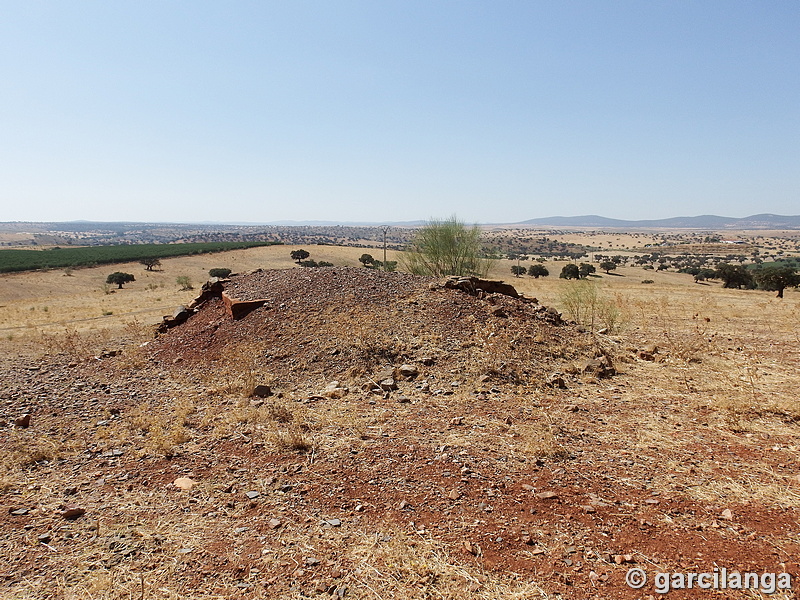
{"points": [[498, 111]]}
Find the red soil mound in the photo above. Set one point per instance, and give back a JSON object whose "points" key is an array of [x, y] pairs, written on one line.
{"points": [[335, 323]]}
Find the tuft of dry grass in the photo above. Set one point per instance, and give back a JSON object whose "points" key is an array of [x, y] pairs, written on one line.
{"points": [[538, 439], [589, 305], [760, 485], [23, 448], [164, 441], [163, 433], [414, 566], [294, 438]]}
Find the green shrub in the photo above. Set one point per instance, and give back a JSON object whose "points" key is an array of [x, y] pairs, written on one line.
{"points": [[446, 247]]}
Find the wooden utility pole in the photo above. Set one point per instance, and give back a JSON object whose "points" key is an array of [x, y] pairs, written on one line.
{"points": [[385, 231]]}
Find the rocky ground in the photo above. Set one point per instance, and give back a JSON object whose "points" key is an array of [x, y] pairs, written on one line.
{"points": [[405, 440]]}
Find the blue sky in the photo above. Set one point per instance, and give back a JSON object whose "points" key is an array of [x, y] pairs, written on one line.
{"points": [[498, 111]]}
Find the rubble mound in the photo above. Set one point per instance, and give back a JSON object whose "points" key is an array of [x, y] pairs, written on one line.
{"points": [[310, 325]]}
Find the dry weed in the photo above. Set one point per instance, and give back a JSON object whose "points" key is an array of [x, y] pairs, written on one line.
{"points": [[371, 347], [164, 441], [398, 565], [164, 431], [589, 305], [295, 438], [24, 448], [761, 487], [239, 370], [69, 342], [539, 440]]}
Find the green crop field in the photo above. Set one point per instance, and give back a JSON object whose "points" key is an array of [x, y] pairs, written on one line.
{"points": [[60, 258]]}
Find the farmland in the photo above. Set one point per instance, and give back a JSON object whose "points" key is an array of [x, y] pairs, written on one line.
{"points": [[60, 258]]}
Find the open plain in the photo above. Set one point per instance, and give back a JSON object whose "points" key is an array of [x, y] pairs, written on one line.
{"points": [[514, 454]]}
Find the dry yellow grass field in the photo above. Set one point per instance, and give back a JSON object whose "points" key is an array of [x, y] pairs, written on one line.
{"points": [[51, 301]]}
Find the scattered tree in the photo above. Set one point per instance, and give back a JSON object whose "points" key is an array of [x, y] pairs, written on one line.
{"points": [[570, 271], [585, 270], [366, 260], [518, 270], [184, 282], [538, 271], [703, 274], [608, 265], [736, 276], [299, 255], [150, 263], [446, 247], [219, 273], [119, 279], [777, 279]]}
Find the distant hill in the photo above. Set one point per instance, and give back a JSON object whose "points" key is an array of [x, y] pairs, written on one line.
{"points": [[712, 222], [763, 221]]}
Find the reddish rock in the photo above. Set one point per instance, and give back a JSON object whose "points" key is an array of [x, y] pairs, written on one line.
{"points": [[238, 309], [72, 512]]}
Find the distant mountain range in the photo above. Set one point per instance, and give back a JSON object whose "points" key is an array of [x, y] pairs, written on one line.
{"points": [[711, 222], [763, 221]]}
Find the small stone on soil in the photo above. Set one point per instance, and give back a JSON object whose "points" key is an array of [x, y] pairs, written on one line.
{"points": [[73, 512], [184, 483]]}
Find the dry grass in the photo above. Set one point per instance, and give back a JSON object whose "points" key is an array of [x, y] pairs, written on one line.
{"points": [[292, 438], [760, 486], [414, 566], [394, 564], [23, 448]]}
